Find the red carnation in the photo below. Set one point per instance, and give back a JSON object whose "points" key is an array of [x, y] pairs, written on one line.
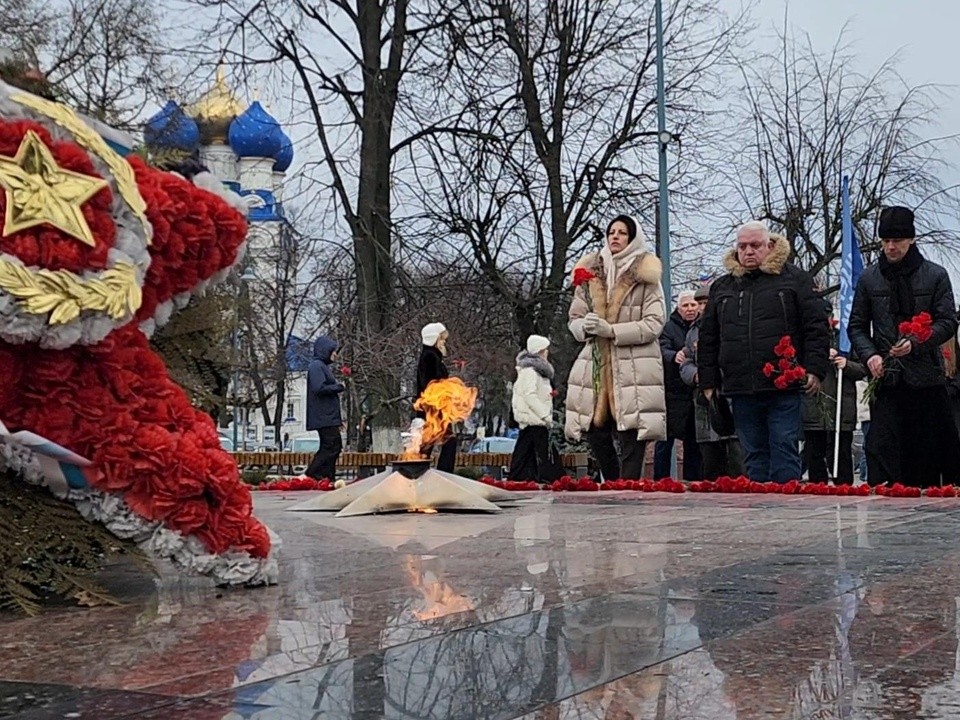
{"points": [[346, 371], [581, 276], [768, 369], [783, 365], [781, 382]]}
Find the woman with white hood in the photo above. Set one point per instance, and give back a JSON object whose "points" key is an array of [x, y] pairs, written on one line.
{"points": [[621, 311], [533, 411], [430, 367]]}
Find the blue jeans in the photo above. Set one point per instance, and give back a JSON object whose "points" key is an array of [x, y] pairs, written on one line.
{"points": [[769, 428], [662, 459], [865, 429]]}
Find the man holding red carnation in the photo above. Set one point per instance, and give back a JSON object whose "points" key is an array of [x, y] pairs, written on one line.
{"points": [[764, 341], [903, 311]]}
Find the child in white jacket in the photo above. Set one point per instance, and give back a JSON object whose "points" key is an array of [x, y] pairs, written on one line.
{"points": [[533, 411]]}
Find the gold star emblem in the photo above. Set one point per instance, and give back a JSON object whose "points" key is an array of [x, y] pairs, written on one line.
{"points": [[38, 191]]}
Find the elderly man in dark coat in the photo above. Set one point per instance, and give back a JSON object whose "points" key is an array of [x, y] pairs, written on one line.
{"points": [[323, 409], [763, 298]]}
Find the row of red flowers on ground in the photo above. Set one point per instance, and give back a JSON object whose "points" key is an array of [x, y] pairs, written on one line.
{"points": [[741, 485], [297, 483]]}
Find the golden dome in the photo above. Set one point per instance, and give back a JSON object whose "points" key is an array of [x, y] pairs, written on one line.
{"points": [[215, 110]]}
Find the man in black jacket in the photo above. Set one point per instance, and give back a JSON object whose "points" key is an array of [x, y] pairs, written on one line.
{"points": [[761, 300], [680, 421], [909, 411]]}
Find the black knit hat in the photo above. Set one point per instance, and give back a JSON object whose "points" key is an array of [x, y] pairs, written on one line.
{"points": [[629, 222], [896, 223]]}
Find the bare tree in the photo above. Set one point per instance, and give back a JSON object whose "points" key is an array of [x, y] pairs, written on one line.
{"points": [[805, 119], [483, 342], [106, 58], [562, 96], [272, 308], [347, 62]]}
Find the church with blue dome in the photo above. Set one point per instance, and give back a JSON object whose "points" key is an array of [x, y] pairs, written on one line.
{"points": [[244, 146]]}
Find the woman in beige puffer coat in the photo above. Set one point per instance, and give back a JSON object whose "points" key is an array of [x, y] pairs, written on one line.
{"points": [[623, 311]]}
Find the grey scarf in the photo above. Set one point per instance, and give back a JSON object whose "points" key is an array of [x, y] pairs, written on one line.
{"points": [[541, 366]]}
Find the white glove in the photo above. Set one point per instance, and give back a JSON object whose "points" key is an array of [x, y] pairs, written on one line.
{"points": [[593, 324]]}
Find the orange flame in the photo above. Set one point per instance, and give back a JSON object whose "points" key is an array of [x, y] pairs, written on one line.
{"points": [[444, 402]]}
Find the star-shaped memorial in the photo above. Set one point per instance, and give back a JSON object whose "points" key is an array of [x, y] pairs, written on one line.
{"points": [[398, 490]]}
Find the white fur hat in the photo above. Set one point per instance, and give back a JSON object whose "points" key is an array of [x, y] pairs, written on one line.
{"points": [[537, 343], [431, 333]]}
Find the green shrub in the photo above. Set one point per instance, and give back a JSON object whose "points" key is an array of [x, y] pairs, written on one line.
{"points": [[473, 473], [253, 476]]}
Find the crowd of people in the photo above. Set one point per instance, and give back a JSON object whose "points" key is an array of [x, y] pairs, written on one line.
{"points": [[746, 372]]}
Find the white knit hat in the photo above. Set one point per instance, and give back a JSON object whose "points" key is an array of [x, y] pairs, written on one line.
{"points": [[431, 333], [537, 343]]}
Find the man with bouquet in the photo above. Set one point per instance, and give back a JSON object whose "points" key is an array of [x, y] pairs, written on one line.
{"points": [[903, 311], [764, 342]]}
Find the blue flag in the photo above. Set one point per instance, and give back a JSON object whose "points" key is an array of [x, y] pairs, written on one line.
{"points": [[851, 265]]}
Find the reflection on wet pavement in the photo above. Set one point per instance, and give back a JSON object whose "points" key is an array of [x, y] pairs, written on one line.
{"points": [[566, 608]]}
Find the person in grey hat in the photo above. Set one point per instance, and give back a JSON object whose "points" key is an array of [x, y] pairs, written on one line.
{"points": [[910, 420], [720, 453], [680, 421]]}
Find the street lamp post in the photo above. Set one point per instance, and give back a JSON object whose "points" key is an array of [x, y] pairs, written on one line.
{"points": [[663, 138], [246, 276]]}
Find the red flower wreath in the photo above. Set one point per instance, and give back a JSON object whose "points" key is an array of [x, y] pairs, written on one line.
{"points": [[113, 401]]}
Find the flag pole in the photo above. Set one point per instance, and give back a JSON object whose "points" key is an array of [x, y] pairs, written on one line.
{"points": [[836, 434], [849, 272]]}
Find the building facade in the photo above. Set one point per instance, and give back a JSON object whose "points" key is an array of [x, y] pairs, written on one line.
{"points": [[246, 148]]}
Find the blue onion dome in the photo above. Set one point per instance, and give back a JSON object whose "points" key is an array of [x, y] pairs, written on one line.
{"points": [[255, 133], [283, 158], [171, 129]]}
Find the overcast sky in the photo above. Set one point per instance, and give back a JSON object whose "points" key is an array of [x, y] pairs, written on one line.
{"points": [[923, 33]]}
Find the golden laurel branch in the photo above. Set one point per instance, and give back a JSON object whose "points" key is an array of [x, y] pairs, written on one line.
{"points": [[65, 296]]}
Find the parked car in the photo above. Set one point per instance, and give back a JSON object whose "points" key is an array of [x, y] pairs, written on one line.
{"points": [[305, 444], [494, 445]]}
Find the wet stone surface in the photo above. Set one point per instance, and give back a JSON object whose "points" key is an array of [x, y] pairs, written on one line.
{"points": [[576, 607]]}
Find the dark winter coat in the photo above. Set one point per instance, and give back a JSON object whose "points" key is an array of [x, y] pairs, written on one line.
{"points": [[747, 314], [323, 390], [873, 328], [430, 367], [679, 395], [688, 373], [820, 410]]}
